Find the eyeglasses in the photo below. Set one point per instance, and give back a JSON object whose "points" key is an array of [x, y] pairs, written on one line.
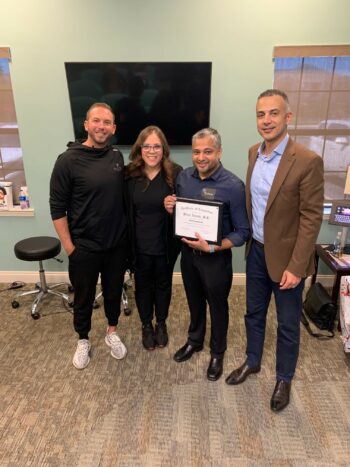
{"points": [[150, 147]]}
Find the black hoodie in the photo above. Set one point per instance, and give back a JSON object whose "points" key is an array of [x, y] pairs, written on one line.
{"points": [[87, 186]]}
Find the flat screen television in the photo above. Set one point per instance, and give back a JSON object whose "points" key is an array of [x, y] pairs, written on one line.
{"points": [[172, 95]]}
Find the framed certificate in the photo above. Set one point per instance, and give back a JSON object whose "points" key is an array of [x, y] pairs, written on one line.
{"points": [[203, 217]]}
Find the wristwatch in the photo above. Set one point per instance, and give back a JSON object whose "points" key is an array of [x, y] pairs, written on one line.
{"points": [[211, 248]]}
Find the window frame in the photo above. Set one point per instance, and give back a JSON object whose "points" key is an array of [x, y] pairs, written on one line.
{"points": [[11, 156], [311, 51]]}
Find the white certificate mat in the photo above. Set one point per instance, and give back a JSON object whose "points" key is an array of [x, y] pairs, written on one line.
{"points": [[203, 217]]}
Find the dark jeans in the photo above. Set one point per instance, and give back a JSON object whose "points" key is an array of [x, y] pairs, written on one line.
{"points": [[207, 278], [84, 269], [288, 307], [153, 281]]}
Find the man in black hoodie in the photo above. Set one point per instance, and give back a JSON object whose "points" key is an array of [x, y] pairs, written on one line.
{"points": [[87, 209]]}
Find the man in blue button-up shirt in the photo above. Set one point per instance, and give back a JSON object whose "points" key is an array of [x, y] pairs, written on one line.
{"points": [[207, 269], [284, 204]]}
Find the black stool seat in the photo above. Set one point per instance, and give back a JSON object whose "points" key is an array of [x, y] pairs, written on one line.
{"points": [[37, 248]]}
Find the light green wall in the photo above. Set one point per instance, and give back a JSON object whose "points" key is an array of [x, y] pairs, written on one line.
{"points": [[237, 36]]}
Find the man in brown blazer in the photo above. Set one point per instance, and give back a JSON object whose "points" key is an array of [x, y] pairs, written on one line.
{"points": [[284, 193]]}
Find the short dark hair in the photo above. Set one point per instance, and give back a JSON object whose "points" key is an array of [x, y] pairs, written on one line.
{"points": [[208, 133], [100, 104], [275, 92], [2, 188]]}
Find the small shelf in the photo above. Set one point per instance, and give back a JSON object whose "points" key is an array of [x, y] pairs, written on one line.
{"points": [[16, 211]]}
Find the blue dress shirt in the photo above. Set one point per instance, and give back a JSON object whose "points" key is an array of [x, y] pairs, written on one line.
{"points": [[262, 178], [223, 186]]}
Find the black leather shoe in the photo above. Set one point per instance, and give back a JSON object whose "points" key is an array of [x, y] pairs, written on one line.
{"points": [[161, 334], [148, 337], [215, 368], [280, 396], [239, 375], [186, 352]]}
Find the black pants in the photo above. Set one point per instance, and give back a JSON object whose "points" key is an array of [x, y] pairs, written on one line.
{"points": [[153, 280], [84, 269], [207, 279]]}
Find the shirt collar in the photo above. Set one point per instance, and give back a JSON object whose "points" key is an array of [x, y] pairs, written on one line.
{"points": [[278, 151]]}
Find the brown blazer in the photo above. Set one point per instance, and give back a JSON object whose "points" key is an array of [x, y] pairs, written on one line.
{"points": [[294, 211]]}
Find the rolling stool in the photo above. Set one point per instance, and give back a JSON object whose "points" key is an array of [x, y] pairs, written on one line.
{"points": [[124, 299], [38, 249]]}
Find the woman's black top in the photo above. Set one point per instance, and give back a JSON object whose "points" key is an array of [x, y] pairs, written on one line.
{"points": [[150, 226], [148, 201]]}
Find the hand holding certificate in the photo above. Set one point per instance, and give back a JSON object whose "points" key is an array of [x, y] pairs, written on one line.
{"points": [[196, 216]]}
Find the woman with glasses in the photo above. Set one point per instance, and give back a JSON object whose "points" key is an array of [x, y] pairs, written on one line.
{"points": [[151, 177]]}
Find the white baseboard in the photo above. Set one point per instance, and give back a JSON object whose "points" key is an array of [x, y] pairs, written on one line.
{"points": [[52, 277], [31, 277], [239, 279]]}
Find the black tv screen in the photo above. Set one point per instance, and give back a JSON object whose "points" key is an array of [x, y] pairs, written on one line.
{"points": [[172, 95]]}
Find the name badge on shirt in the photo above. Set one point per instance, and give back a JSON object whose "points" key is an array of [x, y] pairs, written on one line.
{"points": [[208, 193]]}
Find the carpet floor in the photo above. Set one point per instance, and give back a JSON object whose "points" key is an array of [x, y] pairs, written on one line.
{"points": [[148, 410]]}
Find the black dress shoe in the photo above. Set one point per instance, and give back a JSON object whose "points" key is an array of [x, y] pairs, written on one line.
{"points": [[239, 375], [148, 337], [186, 352], [280, 396], [215, 368], [161, 334]]}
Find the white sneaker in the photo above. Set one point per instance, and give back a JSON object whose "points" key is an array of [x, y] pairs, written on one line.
{"points": [[81, 357], [118, 349]]}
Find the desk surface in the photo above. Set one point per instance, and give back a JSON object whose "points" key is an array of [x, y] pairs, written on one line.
{"points": [[339, 266], [336, 264]]}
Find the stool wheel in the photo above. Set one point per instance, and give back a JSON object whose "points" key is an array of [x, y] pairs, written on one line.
{"points": [[15, 304], [35, 315]]}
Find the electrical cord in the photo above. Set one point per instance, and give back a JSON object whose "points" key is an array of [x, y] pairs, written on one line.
{"points": [[14, 285]]}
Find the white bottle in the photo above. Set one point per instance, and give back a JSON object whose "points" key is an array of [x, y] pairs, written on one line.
{"points": [[22, 199], [25, 189], [337, 245], [24, 202]]}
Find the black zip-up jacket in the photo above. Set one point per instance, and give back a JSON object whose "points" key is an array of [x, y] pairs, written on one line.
{"points": [[173, 245], [87, 186]]}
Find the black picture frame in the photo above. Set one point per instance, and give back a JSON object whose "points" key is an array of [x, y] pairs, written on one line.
{"points": [[197, 207]]}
